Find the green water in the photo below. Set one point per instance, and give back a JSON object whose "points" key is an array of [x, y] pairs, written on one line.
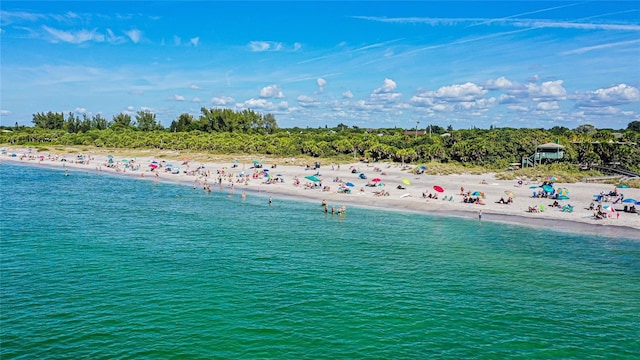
{"points": [[100, 267]]}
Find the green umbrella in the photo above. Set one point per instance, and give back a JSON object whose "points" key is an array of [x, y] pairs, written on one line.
{"points": [[312, 178]]}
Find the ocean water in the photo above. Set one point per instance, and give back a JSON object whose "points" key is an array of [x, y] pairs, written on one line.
{"points": [[94, 266]]}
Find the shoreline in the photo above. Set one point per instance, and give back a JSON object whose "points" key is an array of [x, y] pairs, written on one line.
{"points": [[409, 199]]}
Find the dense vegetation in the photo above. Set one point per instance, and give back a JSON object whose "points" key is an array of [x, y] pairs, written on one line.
{"points": [[227, 132]]}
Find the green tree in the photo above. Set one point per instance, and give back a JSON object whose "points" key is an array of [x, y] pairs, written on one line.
{"points": [[122, 120], [50, 120], [147, 121], [634, 126]]}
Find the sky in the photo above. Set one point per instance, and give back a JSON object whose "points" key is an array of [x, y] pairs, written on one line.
{"points": [[370, 64]]}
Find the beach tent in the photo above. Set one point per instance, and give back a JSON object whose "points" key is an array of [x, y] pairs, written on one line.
{"points": [[563, 194]]}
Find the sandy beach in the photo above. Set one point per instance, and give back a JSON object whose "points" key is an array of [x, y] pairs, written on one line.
{"points": [[386, 186]]}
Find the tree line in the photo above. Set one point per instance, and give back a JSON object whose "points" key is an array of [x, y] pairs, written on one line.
{"points": [[210, 120], [228, 132]]}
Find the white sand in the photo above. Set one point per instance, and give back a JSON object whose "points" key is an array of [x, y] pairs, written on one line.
{"points": [[410, 199]]}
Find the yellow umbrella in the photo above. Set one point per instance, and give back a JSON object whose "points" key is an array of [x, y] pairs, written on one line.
{"points": [[510, 194], [406, 181]]}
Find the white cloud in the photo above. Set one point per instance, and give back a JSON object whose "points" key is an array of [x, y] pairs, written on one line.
{"points": [[194, 87], [80, 110], [256, 104], [76, 37], [177, 97], [5, 112], [499, 83], [518, 108], [112, 38], [347, 94], [222, 101], [550, 90], [307, 101], [259, 46], [134, 35], [176, 40], [271, 91], [615, 95], [321, 83], [548, 105], [196, 100], [194, 41], [388, 86], [465, 92]]}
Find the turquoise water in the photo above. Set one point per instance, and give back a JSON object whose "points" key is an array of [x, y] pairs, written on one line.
{"points": [[101, 267]]}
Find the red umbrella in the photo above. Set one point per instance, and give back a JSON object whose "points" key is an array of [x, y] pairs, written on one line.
{"points": [[376, 179], [438, 188]]}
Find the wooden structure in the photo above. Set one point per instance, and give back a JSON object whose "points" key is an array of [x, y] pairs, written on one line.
{"points": [[544, 153]]}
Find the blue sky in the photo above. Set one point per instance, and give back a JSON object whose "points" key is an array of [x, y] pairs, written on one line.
{"points": [[310, 64]]}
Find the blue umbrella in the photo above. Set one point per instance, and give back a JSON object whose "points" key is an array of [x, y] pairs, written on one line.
{"points": [[547, 188], [630, 200], [350, 184]]}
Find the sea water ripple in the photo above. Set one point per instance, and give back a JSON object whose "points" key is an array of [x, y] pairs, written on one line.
{"points": [[103, 267]]}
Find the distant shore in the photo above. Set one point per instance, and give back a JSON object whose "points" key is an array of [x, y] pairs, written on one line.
{"points": [[385, 186]]}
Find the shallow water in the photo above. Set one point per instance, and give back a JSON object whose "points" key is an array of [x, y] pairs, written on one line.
{"points": [[99, 266]]}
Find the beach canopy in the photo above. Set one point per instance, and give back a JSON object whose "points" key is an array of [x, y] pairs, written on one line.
{"points": [[438, 188], [406, 181], [312, 178]]}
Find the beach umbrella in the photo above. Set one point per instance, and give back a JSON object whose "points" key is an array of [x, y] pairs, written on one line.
{"points": [[629, 200], [534, 187], [312, 178], [350, 184], [125, 161], [376, 180], [153, 165], [422, 167], [552, 178], [110, 157], [622, 186], [478, 193], [510, 194], [406, 181], [609, 208], [438, 188], [547, 188]]}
